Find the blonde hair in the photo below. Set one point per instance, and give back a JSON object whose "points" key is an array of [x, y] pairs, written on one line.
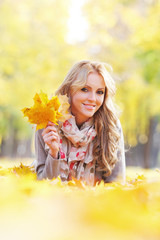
{"points": [[105, 144]]}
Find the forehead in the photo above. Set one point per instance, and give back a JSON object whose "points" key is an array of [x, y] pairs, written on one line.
{"points": [[95, 80]]}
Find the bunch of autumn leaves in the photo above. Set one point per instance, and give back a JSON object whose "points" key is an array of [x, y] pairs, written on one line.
{"points": [[45, 110]]}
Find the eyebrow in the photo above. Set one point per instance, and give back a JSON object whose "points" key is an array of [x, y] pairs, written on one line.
{"points": [[97, 88]]}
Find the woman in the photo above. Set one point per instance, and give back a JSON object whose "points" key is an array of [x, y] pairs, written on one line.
{"points": [[89, 145]]}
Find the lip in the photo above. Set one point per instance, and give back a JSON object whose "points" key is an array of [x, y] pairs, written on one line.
{"points": [[89, 106]]}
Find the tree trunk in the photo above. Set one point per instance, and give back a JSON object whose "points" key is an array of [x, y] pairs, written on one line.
{"points": [[148, 146]]}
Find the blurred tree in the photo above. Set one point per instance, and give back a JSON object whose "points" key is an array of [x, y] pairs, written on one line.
{"points": [[125, 33], [34, 56]]}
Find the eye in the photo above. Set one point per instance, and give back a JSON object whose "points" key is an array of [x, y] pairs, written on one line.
{"points": [[84, 89], [100, 92]]}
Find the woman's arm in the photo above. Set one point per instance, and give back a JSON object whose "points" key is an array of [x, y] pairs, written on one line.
{"points": [[46, 166]]}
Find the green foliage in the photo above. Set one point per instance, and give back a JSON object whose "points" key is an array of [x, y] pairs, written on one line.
{"points": [[11, 120], [30, 45], [126, 35], [34, 55], [138, 101]]}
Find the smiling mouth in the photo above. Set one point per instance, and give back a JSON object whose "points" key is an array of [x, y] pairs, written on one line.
{"points": [[89, 106]]}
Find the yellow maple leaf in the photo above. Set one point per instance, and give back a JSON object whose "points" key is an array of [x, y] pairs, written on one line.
{"points": [[63, 109], [45, 110]]}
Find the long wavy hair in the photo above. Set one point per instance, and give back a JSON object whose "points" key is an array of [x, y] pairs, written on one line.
{"points": [[105, 144]]}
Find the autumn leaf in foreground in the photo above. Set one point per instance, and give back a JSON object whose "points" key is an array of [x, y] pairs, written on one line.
{"points": [[22, 170], [44, 110]]}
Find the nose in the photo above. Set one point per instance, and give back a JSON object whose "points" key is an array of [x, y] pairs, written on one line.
{"points": [[92, 97]]}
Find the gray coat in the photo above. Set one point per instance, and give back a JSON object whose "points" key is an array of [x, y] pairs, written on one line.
{"points": [[48, 167]]}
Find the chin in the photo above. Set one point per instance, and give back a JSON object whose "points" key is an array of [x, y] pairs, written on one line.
{"points": [[89, 115]]}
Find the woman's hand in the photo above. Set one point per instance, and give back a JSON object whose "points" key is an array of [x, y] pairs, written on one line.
{"points": [[52, 139]]}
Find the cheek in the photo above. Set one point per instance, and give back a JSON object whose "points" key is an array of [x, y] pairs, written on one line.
{"points": [[100, 100], [76, 98]]}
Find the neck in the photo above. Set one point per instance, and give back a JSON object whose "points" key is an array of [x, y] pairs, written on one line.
{"points": [[79, 119], [80, 123]]}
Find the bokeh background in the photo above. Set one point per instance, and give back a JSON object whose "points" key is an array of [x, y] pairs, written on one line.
{"points": [[40, 41]]}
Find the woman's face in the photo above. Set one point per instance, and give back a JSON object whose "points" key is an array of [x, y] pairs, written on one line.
{"points": [[86, 101]]}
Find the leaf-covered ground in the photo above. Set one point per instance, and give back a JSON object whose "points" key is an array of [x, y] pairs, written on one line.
{"points": [[31, 209]]}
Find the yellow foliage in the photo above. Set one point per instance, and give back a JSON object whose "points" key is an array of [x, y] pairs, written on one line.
{"points": [[142, 103], [52, 209], [45, 110]]}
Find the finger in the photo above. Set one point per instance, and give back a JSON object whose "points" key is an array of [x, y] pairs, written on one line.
{"points": [[51, 123], [48, 129], [52, 144], [50, 139], [51, 134]]}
